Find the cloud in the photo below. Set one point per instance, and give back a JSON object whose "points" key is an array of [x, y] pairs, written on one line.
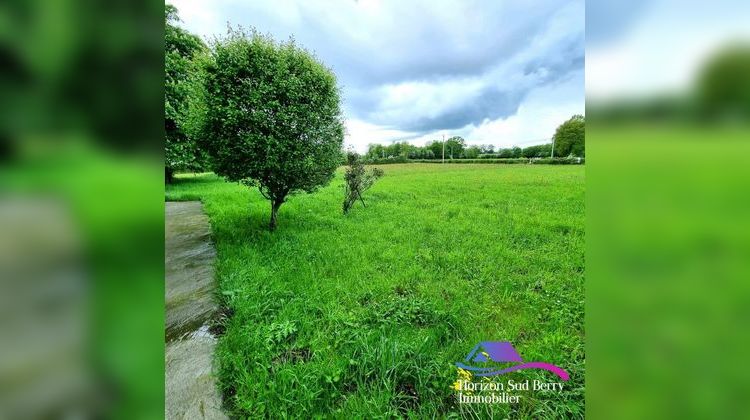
{"points": [[416, 69]]}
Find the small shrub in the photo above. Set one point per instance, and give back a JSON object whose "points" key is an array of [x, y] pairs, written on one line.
{"points": [[358, 179]]}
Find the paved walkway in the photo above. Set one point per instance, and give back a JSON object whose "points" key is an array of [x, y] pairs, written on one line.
{"points": [[190, 388]]}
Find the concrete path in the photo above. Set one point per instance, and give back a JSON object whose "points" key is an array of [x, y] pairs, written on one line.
{"points": [[190, 387]]}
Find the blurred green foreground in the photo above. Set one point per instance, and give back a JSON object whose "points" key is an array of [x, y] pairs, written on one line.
{"points": [[668, 270], [81, 209]]}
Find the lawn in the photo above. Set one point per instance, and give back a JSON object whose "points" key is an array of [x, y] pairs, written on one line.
{"points": [[364, 315]]}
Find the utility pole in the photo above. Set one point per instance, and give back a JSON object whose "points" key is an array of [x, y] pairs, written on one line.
{"points": [[443, 148]]}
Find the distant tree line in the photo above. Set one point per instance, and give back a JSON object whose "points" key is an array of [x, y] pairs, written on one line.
{"points": [[539, 161], [568, 140], [434, 150]]}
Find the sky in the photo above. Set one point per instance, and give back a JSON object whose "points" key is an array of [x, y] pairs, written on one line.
{"points": [[638, 48], [505, 73]]}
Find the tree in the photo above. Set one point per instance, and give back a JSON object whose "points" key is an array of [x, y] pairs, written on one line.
{"points": [[272, 116], [181, 47], [505, 153], [545, 150], [486, 149], [414, 152], [454, 147], [472, 152], [436, 146], [570, 137], [530, 152], [375, 151]]}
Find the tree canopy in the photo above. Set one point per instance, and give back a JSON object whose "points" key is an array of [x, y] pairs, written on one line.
{"points": [[454, 147], [570, 137], [181, 47], [270, 116]]}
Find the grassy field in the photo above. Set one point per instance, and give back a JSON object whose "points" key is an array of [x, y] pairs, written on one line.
{"points": [[364, 315]]}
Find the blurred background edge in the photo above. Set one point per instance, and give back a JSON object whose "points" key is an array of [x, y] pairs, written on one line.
{"points": [[81, 198]]}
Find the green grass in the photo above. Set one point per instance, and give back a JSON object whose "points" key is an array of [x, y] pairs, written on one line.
{"points": [[668, 263], [364, 315]]}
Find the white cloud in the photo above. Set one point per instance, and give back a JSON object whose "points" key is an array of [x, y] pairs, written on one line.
{"points": [[360, 133], [198, 16], [534, 123], [491, 72]]}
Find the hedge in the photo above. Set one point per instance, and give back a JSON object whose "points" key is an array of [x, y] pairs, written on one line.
{"points": [[385, 161], [559, 161], [510, 161], [503, 161]]}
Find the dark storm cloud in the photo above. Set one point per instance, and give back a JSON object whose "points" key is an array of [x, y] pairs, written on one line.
{"points": [[493, 103], [490, 104], [419, 40], [501, 49]]}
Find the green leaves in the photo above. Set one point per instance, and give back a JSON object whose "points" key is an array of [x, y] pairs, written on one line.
{"points": [[272, 114], [570, 137], [357, 180], [180, 50], [279, 332]]}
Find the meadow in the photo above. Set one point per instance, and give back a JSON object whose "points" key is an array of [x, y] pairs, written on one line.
{"points": [[364, 315]]}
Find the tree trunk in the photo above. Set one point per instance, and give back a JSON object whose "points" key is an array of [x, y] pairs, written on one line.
{"points": [[168, 175], [275, 204]]}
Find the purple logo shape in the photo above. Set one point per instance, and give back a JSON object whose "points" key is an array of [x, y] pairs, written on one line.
{"points": [[503, 352]]}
